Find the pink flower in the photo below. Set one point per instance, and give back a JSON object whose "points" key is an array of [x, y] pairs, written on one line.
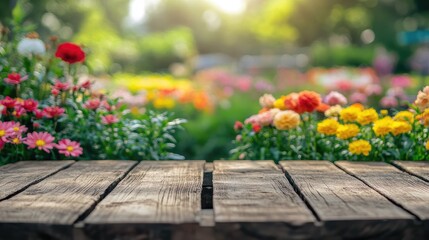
{"points": [[109, 119], [92, 104], [38, 113], [69, 148], [358, 97], [401, 81], [8, 102], [106, 105], [40, 140], [55, 92], [53, 112], [61, 86], [14, 79], [18, 129], [16, 140], [335, 98], [19, 111], [388, 102], [6, 130], [373, 89], [30, 105]]}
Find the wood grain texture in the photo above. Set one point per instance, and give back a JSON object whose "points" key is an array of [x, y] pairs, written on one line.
{"points": [[50, 208], [255, 191], [420, 169], [17, 176], [157, 200], [154, 192], [335, 195], [346, 206], [405, 190]]}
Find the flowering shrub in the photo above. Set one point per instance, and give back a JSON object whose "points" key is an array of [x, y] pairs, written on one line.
{"points": [[49, 111], [302, 126]]}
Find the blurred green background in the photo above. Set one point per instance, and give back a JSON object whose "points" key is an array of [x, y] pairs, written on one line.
{"points": [[177, 39]]}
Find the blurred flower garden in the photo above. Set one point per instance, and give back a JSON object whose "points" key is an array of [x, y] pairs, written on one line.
{"points": [[239, 79]]}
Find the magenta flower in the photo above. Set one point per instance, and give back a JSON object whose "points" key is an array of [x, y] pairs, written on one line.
{"points": [[92, 104], [40, 140], [14, 79], [109, 119], [69, 148], [8, 102], [53, 112]]}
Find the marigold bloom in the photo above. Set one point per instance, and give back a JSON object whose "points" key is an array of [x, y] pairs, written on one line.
{"points": [[308, 101], [291, 102], [367, 116], [15, 79], [109, 119], [285, 120], [422, 101], [404, 116], [322, 107], [328, 126], [267, 101], [280, 103], [384, 112], [333, 111], [69, 148], [40, 140], [164, 102], [399, 127], [424, 117], [360, 147], [53, 112], [382, 126], [70, 53], [347, 131], [350, 114]]}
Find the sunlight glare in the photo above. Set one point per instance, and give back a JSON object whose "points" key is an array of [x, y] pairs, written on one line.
{"points": [[230, 6]]}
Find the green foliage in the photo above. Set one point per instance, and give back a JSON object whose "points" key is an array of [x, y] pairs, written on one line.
{"points": [[328, 56]]}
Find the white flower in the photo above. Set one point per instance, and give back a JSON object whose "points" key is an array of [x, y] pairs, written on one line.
{"points": [[28, 46], [267, 101]]}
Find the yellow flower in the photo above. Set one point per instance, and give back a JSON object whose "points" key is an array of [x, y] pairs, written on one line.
{"points": [[399, 127], [383, 126], [367, 116], [347, 131], [350, 114], [328, 126], [427, 145], [280, 103], [404, 116], [333, 111], [360, 147], [164, 102], [285, 120], [384, 112]]}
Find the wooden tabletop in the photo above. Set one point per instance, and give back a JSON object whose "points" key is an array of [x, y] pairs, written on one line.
{"points": [[220, 200]]}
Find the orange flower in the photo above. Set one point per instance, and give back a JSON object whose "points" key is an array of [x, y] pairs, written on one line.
{"points": [[291, 102], [358, 105], [308, 101], [263, 110], [322, 107]]}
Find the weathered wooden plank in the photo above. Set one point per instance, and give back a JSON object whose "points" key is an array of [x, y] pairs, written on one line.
{"points": [[420, 169], [344, 204], [152, 200], [17, 176], [405, 190], [257, 194], [50, 208]]}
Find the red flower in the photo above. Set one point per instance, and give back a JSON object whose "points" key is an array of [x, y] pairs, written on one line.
{"points": [[30, 105], [92, 104], [238, 125], [38, 113], [256, 128], [70, 53], [15, 78], [52, 112], [86, 84], [8, 102], [19, 111], [308, 101], [61, 86]]}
